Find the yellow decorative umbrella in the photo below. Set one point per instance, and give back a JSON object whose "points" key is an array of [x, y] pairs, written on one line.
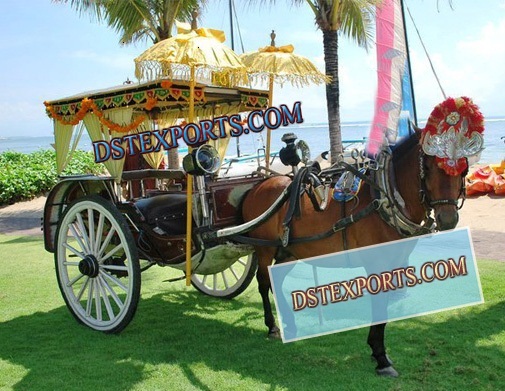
{"points": [[199, 49], [279, 64], [193, 52]]}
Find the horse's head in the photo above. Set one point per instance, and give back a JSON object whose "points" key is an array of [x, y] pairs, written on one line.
{"points": [[441, 192], [453, 133]]}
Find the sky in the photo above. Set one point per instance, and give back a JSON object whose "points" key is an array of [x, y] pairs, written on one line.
{"points": [[49, 52]]}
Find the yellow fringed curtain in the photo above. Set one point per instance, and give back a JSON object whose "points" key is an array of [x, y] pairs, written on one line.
{"points": [[167, 119], [94, 128], [64, 145], [121, 117], [152, 158], [98, 132], [62, 137], [221, 144]]}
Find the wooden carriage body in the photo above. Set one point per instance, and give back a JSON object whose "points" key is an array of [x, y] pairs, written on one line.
{"points": [[106, 230]]}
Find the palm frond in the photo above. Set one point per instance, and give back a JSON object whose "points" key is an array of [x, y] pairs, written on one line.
{"points": [[312, 5], [137, 20], [142, 35], [129, 16], [356, 20]]}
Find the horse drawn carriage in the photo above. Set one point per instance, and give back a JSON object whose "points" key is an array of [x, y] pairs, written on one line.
{"points": [[106, 230], [221, 231], [103, 234]]}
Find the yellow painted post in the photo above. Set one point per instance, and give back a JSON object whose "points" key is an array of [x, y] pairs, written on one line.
{"points": [[269, 131], [189, 192]]}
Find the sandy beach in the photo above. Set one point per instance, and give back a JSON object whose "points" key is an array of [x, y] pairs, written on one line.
{"points": [[484, 215]]}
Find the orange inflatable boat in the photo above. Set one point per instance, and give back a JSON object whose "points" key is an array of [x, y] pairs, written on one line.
{"points": [[487, 179]]}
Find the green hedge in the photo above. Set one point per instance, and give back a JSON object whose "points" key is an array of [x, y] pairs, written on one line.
{"points": [[24, 176]]}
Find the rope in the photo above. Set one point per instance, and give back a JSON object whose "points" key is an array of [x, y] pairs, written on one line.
{"points": [[426, 52]]}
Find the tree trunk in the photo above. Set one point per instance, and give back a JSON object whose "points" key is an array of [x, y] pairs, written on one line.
{"points": [[330, 43]]}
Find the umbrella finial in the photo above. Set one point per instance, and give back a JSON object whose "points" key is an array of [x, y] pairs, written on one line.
{"points": [[272, 35], [194, 16]]}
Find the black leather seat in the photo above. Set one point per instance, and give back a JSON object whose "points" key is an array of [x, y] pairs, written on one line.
{"points": [[166, 211]]}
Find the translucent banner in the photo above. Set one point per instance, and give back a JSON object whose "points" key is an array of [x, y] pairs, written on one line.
{"points": [[376, 284]]}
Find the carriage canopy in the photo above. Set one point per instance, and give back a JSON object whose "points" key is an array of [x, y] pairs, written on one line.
{"points": [[141, 107]]}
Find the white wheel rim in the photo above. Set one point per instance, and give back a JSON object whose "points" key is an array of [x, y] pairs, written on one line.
{"points": [[226, 282], [100, 301]]}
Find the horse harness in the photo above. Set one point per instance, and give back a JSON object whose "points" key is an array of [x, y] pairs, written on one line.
{"points": [[386, 201], [424, 195], [391, 202]]}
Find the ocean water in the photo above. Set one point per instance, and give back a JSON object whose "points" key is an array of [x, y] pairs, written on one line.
{"points": [[316, 135]]}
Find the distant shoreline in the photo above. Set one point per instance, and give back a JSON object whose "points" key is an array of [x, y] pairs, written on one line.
{"points": [[498, 118], [316, 134]]}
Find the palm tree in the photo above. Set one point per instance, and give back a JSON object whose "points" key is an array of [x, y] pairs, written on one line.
{"points": [[353, 19], [138, 21]]}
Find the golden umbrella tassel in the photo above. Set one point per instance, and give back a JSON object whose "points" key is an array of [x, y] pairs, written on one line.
{"points": [[279, 64], [193, 52]]}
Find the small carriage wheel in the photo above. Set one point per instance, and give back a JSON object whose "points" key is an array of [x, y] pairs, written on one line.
{"points": [[97, 265], [230, 282]]}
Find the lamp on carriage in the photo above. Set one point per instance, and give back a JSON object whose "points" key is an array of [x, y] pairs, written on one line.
{"points": [[201, 161], [292, 154]]}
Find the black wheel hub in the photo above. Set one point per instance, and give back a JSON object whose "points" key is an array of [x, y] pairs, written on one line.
{"points": [[89, 266]]}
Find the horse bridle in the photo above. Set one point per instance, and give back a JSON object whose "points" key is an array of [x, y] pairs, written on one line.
{"points": [[424, 194]]}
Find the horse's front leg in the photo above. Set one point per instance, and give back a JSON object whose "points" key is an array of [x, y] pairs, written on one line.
{"points": [[265, 257], [376, 342], [379, 311]]}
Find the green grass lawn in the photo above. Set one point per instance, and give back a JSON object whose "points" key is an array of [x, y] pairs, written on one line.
{"points": [[182, 340]]}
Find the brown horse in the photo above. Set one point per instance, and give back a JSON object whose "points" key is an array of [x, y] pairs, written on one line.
{"points": [[412, 173]]}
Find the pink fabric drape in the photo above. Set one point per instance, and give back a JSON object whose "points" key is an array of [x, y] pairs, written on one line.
{"points": [[391, 57]]}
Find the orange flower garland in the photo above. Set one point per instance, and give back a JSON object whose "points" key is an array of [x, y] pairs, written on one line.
{"points": [[151, 103], [88, 104], [166, 84], [113, 126]]}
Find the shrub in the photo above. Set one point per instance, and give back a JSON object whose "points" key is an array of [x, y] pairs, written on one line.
{"points": [[24, 176]]}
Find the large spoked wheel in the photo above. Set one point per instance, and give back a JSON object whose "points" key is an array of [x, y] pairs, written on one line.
{"points": [[97, 265], [230, 282]]}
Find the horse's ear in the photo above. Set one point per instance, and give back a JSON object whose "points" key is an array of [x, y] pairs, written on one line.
{"points": [[417, 129]]}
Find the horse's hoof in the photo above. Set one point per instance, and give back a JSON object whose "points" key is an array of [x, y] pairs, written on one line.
{"points": [[387, 372], [275, 333]]}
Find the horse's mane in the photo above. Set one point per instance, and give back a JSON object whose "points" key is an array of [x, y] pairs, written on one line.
{"points": [[405, 146]]}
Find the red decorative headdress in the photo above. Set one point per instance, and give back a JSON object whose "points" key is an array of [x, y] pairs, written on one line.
{"points": [[453, 133]]}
